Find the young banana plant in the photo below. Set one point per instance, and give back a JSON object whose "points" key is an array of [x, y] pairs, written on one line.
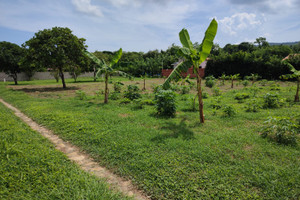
{"points": [[107, 69], [194, 56], [296, 74]]}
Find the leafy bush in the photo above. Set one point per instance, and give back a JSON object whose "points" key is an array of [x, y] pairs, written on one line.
{"points": [[275, 86], [245, 83], [210, 81], [263, 82], [205, 95], [125, 101], [139, 104], [216, 91], [114, 96], [229, 111], [283, 130], [271, 100], [216, 103], [81, 94], [118, 87], [252, 105], [185, 89], [241, 97], [132, 92], [165, 103]]}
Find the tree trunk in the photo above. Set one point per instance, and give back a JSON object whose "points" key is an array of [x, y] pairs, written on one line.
{"points": [[106, 89], [62, 78], [297, 92], [232, 83], [144, 88], [15, 77], [200, 97]]}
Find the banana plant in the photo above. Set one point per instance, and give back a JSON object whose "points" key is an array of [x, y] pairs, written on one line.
{"points": [[296, 74], [233, 77], [195, 56], [107, 69]]}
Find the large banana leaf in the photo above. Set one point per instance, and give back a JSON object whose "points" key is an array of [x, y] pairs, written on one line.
{"points": [[208, 39], [185, 39], [176, 74], [94, 58], [116, 57]]}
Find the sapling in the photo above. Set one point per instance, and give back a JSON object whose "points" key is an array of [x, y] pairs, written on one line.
{"points": [[195, 56], [233, 77]]}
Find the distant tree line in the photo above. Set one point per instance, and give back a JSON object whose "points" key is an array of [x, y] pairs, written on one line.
{"points": [[247, 58], [59, 51]]}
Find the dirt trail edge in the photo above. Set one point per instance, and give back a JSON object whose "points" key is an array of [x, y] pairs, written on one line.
{"points": [[82, 159]]}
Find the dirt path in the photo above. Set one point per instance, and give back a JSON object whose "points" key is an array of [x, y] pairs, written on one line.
{"points": [[83, 160]]}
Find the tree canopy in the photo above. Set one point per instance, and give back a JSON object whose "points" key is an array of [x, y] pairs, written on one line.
{"points": [[10, 56], [57, 49]]}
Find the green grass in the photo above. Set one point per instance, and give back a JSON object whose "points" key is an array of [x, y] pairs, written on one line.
{"points": [[30, 167], [177, 158]]}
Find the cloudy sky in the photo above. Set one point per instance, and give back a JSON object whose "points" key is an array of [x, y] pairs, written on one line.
{"points": [[143, 25]]}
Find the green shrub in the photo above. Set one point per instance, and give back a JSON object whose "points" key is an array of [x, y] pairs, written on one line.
{"points": [[253, 105], [210, 81], [114, 96], [216, 103], [275, 86], [282, 130], [205, 95], [216, 91], [229, 111], [118, 87], [125, 101], [132, 92], [81, 94], [245, 83], [241, 97], [165, 103], [185, 89], [263, 82], [271, 100]]}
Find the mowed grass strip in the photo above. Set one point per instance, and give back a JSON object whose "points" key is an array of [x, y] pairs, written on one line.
{"points": [[176, 158], [31, 168]]}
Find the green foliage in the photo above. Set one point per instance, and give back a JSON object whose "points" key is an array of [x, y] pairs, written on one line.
{"points": [[114, 96], [81, 95], [275, 87], [185, 89], [271, 100], [125, 101], [210, 81], [241, 96], [282, 130], [118, 87], [216, 91], [216, 103], [132, 92], [56, 48], [165, 103], [245, 83], [205, 95], [10, 57], [229, 111], [253, 105], [263, 82]]}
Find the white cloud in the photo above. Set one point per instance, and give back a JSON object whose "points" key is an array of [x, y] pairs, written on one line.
{"points": [[86, 7], [238, 22]]}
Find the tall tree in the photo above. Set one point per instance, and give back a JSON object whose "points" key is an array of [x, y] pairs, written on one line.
{"points": [[10, 56], [196, 57], [58, 49]]}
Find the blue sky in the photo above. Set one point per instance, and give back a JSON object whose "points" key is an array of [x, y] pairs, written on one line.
{"points": [[143, 25]]}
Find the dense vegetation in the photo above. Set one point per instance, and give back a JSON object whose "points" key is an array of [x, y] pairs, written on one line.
{"points": [[31, 168], [176, 158]]}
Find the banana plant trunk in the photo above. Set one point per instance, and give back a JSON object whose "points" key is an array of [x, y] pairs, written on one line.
{"points": [[232, 83], [199, 89], [106, 89], [297, 92]]}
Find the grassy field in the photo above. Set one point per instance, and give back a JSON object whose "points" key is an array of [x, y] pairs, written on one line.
{"points": [[174, 158], [30, 167]]}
